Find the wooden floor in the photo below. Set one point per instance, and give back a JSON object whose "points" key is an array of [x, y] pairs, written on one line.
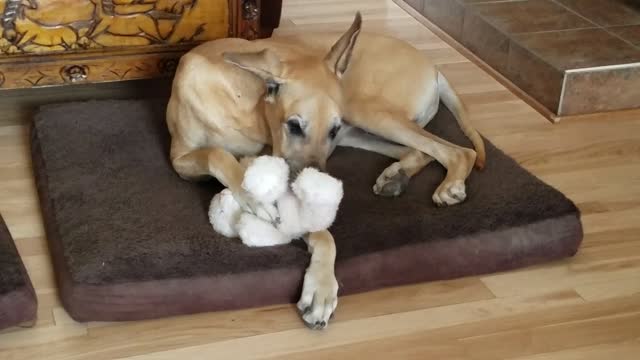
{"points": [[584, 308]]}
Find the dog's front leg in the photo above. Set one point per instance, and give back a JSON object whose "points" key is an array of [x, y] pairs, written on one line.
{"points": [[320, 289], [192, 164]]}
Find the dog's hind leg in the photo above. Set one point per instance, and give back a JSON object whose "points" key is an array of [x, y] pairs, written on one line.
{"points": [[395, 178], [396, 126]]}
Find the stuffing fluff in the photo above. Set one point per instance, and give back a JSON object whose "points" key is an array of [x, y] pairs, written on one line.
{"points": [[266, 179], [315, 187], [309, 205], [224, 213], [289, 208], [320, 196], [256, 232]]}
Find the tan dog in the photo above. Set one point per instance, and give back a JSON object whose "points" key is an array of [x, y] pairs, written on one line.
{"points": [[304, 95]]}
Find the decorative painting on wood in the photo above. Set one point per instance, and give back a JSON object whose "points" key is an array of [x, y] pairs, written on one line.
{"points": [[56, 42], [31, 26]]}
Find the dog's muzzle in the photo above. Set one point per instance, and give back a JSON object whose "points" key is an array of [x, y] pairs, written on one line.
{"points": [[296, 167]]}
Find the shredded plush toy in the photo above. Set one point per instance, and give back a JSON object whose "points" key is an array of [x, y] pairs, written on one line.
{"points": [[288, 212]]}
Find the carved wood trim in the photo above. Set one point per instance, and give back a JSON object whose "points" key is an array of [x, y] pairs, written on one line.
{"points": [[94, 41], [249, 19], [54, 26], [76, 69]]}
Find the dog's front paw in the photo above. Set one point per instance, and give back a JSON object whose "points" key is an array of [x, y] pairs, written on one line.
{"points": [[256, 232], [224, 213], [450, 193], [392, 182], [319, 297], [267, 212]]}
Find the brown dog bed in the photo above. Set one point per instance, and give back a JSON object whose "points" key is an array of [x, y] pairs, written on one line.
{"points": [[18, 304], [131, 240]]}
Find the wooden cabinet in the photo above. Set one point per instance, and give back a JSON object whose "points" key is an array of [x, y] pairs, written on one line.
{"points": [[55, 42]]}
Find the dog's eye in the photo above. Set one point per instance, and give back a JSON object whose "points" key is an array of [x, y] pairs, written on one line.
{"points": [[334, 132], [272, 88], [294, 127]]}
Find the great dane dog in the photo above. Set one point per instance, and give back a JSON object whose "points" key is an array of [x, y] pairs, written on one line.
{"points": [[301, 96]]}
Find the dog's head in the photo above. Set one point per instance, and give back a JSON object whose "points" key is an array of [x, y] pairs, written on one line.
{"points": [[304, 101]]}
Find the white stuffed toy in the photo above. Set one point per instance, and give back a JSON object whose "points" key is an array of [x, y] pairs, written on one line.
{"points": [[288, 212]]}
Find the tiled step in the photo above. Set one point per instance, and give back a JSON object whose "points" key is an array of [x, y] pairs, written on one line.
{"points": [[572, 56]]}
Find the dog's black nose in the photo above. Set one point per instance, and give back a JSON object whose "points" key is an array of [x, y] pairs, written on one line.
{"points": [[317, 165], [296, 167]]}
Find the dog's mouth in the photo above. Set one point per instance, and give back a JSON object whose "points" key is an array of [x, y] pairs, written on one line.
{"points": [[294, 171], [295, 168]]}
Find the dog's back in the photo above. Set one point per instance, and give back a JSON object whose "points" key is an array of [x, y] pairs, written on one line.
{"points": [[383, 69]]}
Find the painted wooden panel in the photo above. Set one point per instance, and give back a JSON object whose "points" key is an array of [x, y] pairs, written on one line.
{"points": [[36, 26], [55, 42]]}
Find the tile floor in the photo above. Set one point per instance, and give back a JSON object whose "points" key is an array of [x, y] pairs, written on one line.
{"points": [[569, 55]]}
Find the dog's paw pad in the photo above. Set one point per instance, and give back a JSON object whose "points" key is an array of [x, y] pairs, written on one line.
{"points": [[392, 182]]}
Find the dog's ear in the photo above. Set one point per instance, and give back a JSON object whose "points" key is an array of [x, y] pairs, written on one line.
{"points": [[340, 54], [264, 64]]}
